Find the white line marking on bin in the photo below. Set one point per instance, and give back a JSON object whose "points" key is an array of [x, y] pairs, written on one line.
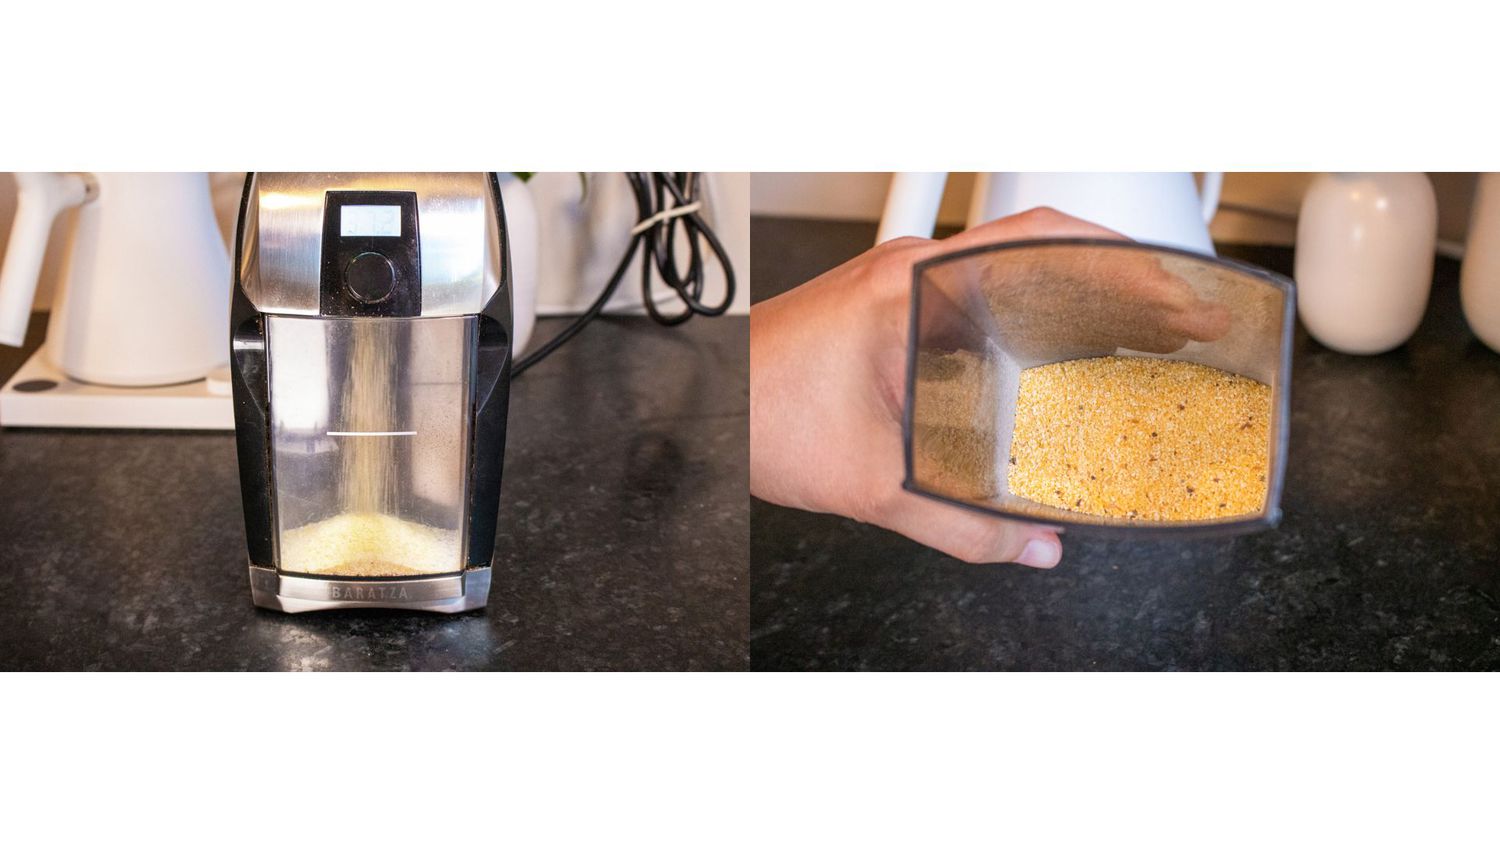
{"points": [[372, 433]]}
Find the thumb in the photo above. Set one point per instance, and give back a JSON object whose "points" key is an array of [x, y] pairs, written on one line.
{"points": [[971, 537]]}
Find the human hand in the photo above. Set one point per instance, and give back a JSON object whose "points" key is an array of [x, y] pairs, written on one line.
{"points": [[828, 365]]}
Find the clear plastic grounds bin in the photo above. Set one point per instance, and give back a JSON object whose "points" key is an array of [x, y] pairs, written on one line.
{"points": [[370, 444], [1103, 386]]}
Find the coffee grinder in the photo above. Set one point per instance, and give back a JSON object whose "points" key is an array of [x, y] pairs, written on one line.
{"points": [[371, 352]]}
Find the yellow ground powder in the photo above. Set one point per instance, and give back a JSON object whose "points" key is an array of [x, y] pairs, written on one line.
{"points": [[369, 545], [1141, 438]]}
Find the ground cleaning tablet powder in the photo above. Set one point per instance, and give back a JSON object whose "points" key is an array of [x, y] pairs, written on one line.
{"points": [[1141, 438]]}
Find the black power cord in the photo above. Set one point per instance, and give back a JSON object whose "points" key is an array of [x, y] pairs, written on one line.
{"points": [[657, 197]]}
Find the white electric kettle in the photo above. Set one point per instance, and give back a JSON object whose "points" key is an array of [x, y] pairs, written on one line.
{"points": [[1161, 208], [145, 297]]}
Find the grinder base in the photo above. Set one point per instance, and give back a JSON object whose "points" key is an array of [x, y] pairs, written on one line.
{"points": [[451, 593]]}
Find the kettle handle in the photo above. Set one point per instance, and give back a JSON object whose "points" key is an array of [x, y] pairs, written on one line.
{"points": [[1213, 186], [41, 198], [911, 205]]}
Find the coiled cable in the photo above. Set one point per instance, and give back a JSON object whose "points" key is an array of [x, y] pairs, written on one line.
{"points": [[667, 206]]}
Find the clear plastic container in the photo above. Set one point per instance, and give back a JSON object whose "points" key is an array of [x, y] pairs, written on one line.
{"points": [[369, 444], [1004, 308]]}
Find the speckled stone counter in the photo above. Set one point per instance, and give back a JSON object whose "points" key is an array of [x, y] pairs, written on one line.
{"points": [[622, 532], [1388, 556]]}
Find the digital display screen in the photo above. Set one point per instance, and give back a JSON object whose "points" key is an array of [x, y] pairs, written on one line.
{"points": [[370, 221]]}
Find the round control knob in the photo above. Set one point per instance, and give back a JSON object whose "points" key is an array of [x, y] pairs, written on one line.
{"points": [[370, 277]]}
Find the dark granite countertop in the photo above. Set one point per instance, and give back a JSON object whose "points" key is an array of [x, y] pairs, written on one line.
{"points": [[1388, 556], [622, 532]]}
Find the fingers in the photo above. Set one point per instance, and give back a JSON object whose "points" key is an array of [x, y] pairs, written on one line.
{"points": [[1204, 321], [1166, 313], [971, 537], [1035, 224]]}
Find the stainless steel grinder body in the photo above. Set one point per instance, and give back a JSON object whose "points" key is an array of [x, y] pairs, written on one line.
{"points": [[371, 351]]}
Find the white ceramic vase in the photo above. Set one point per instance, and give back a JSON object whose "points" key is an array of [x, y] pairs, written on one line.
{"points": [[1365, 247], [1479, 286]]}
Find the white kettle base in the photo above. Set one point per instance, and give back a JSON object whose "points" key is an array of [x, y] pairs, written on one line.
{"points": [[27, 402]]}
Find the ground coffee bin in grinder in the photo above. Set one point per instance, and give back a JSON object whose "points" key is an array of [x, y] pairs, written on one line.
{"points": [[371, 345]]}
